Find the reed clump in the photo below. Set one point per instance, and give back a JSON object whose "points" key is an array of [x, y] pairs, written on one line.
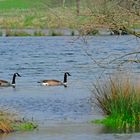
{"points": [[119, 99], [5, 126], [10, 123]]}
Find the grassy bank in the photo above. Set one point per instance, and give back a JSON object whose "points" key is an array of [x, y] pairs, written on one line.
{"points": [[9, 122], [119, 99], [42, 14]]}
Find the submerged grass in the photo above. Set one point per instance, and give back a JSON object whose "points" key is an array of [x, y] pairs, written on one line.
{"points": [[24, 126], [119, 100]]}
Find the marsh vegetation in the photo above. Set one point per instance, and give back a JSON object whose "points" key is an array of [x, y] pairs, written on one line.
{"points": [[10, 122], [119, 99]]}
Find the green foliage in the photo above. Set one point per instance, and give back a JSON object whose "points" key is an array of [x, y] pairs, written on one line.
{"points": [[20, 4], [123, 121], [119, 99], [28, 20], [25, 4], [24, 126], [120, 123]]}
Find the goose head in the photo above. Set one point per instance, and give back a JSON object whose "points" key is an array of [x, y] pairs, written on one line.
{"points": [[14, 78], [4, 83], [67, 73], [65, 78]]}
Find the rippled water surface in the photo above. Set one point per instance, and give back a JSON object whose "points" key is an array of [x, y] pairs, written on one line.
{"points": [[37, 58]]}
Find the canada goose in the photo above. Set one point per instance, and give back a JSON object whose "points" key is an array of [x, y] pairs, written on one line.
{"points": [[4, 83], [56, 82]]}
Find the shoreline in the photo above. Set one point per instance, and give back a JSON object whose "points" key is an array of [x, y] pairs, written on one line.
{"points": [[57, 32]]}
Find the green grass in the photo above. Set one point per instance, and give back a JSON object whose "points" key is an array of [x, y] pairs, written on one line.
{"points": [[24, 126], [26, 4], [16, 4], [119, 99], [22, 4], [119, 124]]}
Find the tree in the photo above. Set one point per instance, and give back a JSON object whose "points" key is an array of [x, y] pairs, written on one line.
{"points": [[78, 6], [64, 3]]}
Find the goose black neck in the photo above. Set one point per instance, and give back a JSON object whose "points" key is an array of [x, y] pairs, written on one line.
{"points": [[13, 80], [65, 78]]}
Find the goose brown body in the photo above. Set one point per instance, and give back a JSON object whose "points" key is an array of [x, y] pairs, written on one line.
{"points": [[53, 82], [4, 83]]}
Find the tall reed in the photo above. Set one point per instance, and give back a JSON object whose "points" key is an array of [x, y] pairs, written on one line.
{"points": [[119, 99]]}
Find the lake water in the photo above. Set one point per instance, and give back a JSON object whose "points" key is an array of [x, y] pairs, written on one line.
{"points": [[62, 113]]}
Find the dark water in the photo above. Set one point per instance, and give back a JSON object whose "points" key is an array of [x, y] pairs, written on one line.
{"points": [[37, 58]]}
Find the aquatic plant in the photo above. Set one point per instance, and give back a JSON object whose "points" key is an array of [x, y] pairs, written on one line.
{"points": [[24, 126], [119, 100]]}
